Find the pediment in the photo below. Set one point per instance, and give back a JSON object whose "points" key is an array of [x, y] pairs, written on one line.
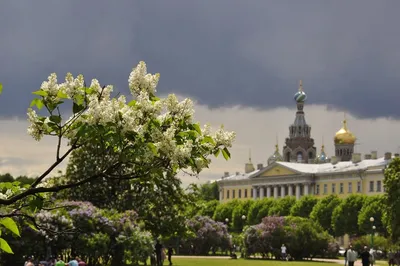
{"points": [[276, 170]]}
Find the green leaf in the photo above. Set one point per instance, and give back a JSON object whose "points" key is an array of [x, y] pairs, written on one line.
{"points": [[40, 93], [38, 102], [197, 128], [153, 148], [10, 225], [226, 153], [216, 153], [76, 108], [1, 88], [36, 204], [208, 139], [55, 118], [132, 103], [62, 95], [32, 226], [5, 246]]}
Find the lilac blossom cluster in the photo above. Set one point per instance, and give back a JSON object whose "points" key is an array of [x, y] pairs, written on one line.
{"points": [[207, 234]]}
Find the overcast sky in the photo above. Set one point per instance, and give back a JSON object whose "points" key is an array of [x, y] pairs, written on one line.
{"points": [[237, 59]]}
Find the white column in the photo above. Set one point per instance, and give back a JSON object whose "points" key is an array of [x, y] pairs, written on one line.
{"points": [[275, 192], [268, 191], [221, 194], [297, 191], [283, 191], [262, 192], [306, 189], [290, 190], [254, 193]]}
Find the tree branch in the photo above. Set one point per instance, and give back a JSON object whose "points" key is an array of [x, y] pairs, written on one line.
{"points": [[51, 168], [34, 190]]}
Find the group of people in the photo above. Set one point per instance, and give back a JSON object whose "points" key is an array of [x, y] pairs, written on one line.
{"points": [[351, 256], [160, 256], [55, 262]]}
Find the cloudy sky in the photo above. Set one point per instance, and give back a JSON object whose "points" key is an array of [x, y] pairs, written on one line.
{"points": [[239, 60]]}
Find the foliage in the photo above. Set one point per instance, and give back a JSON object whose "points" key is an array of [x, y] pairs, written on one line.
{"points": [[322, 212], [392, 198], [304, 206], [79, 228], [266, 237], [380, 243], [208, 208], [224, 211], [239, 213], [207, 234], [295, 232], [281, 206], [345, 215], [302, 233], [209, 191], [258, 210], [373, 207]]}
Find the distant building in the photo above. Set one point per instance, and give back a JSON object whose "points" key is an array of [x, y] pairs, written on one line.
{"points": [[301, 171]]}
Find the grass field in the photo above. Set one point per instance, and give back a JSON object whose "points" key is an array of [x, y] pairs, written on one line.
{"points": [[242, 262]]}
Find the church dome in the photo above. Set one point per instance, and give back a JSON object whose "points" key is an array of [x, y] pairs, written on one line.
{"points": [[344, 136], [276, 157], [300, 96], [322, 157]]}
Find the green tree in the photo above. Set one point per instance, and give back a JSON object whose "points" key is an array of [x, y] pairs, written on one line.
{"points": [[282, 206], [392, 198], [345, 215], [322, 212], [304, 206], [224, 211], [373, 207], [209, 191], [207, 208], [239, 215]]}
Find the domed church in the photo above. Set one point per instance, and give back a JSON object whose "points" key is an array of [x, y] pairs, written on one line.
{"points": [[301, 170]]}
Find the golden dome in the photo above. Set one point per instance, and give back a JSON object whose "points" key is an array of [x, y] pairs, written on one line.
{"points": [[344, 136]]}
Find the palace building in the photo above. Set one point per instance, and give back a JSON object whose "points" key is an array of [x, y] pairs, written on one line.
{"points": [[300, 170]]}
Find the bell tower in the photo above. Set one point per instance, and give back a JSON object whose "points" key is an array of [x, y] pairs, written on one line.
{"points": [[299, 146]]}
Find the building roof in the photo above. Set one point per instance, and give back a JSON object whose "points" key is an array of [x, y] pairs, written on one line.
{"points": [[324, 168]]}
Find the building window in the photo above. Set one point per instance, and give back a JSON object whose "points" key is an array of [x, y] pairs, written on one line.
{"points": [[299, 157], [252, 193], [341, 188], [333, 188], [371, 186], [378, 186], [350, 187], [325, 188], [233, 193], [240, 193], [245, 193], [317, 190], [359, 186], [227, 193]]}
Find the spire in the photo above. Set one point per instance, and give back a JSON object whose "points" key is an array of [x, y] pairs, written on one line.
{"points": [[323, 145], [277, 145], [249, 155], [249, 167], [301, 85]]}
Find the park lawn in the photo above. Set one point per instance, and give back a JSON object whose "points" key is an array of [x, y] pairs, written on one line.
{"points": [[242, 262]]}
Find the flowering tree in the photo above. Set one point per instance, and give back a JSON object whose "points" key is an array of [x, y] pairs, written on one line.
{"points": [[207, 234], [144, 138]]}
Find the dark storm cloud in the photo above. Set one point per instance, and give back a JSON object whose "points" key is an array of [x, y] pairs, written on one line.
{"points": [[219, 52]]}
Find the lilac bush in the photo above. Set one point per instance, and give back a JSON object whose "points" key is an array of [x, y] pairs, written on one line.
{"points": [[97, 235], [205, 234]]}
